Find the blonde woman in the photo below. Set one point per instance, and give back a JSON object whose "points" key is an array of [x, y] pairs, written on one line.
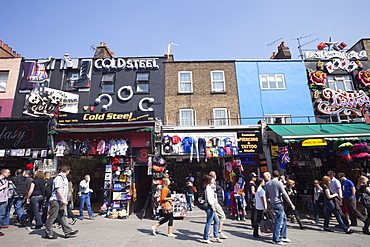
{"points": [[363, 187], [330, 205], [166, 204], [292, 193]]}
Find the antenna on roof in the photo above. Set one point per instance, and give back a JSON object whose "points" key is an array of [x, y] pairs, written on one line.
{"points": [[92, 47], [169, 48], [273, 42], [299, 42]]}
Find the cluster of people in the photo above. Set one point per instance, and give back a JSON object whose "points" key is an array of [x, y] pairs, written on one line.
{"points": [[47, 201], [274, 198]]}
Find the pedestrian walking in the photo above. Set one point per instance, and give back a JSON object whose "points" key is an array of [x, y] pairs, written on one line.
{"points": [[35, 199], [189, 189], [363, 187], [331, 208], [4, 183], [252, 188], [211, 198], [318, 200], [276, 193], [85, 194], [260, 205], [292, 193], [58, 205], [166, 208]]}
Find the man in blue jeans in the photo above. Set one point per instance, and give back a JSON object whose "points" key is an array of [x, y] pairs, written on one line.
{"points": [[4, 183], [85, 193], [276, 193]]}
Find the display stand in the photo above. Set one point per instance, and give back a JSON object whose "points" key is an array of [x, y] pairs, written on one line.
{"points": [[179, 205]]}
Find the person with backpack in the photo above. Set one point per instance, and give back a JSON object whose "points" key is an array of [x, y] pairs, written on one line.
{"points": [[47, 194], [364, 190], [4, 183], [35, 199]]}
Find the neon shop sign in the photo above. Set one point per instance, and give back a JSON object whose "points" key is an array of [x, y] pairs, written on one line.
{"points": [[120, 63], [342, 102]]}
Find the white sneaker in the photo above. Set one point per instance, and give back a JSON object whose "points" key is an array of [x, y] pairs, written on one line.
{"points": [[153, 231], [222, 235], [206, 241], [279, 243], [286, 240], [215, 239], [171, 235]]}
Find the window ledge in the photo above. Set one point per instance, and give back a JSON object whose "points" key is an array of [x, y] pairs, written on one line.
{"points": [[184, 93], [218, 92]]}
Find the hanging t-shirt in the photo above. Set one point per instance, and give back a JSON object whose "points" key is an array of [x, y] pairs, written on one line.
{"points": [[229, 166], [214, 141], [215, 152], [221, 142], [221, 151], [176, 139], [208, 143], [166, 140], [232, 174], [228, 151], [228, 142], [209, 152], [60, 148], [234, 141], [235, 150], [238, 164], [187, 142]]}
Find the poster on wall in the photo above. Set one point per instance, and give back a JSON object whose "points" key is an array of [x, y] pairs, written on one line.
{"points": [[250, 142]]}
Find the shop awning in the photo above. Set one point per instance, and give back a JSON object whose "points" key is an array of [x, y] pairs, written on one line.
{"points": [[96, 130], [331, 132]]}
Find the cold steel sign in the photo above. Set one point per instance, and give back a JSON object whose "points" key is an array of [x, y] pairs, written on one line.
{"points": [[123, 117], [249, 142], [19, 134]]}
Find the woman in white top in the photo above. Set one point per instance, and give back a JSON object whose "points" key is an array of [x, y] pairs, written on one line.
{"points": [[261, 205], [211, 198]]}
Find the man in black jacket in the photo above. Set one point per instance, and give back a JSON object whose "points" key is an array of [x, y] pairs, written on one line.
{"points": [[21, 184]]}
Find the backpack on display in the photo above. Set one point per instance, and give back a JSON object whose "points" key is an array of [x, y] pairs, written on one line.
{"points": [[201, 202]]}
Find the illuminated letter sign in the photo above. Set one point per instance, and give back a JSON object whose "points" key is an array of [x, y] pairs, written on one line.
{"points": [[120, 63], [249, 142]]}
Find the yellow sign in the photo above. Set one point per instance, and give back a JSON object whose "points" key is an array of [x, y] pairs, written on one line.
{"points": [[274, 151], [314, 142]]}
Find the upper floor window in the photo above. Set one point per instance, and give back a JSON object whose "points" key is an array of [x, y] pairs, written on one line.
{"points": [[142, 82], [185, 82], [187, 117], [107, 83], [272, 81], [278, 119], [342, 82], [72, 78], [3, 80], [220, 116], [218, 81]]}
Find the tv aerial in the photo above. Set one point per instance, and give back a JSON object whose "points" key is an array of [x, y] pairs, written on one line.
{"points": [[273, 42], [169, 47], [309, 42], [92, 47]]}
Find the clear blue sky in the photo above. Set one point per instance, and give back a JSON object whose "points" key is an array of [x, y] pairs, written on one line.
{"points": [[204, 29]]}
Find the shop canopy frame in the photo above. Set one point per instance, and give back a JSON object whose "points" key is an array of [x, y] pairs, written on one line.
{"points": [[328, 131], [107, 129]]}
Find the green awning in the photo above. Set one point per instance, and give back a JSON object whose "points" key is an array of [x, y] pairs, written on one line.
{"points": [[331, 132], [91, 130]]}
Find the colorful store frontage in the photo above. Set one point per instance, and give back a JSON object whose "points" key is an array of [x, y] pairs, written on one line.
{"points": [[307, 151]]}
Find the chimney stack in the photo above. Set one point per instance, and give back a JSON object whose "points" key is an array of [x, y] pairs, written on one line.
{"points": [[102, 51], [283, 52]]}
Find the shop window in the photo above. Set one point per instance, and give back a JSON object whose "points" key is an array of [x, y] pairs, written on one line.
{"points": [[3, 80], [142, 82], [272, 81], [218, 81], [1, 109], [72, 78], [187, 117], [340, 82], [185, 82], [220, 116], [277, 119], [107, 83]]}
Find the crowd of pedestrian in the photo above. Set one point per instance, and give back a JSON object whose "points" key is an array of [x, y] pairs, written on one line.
{"points": [[40, 202]]}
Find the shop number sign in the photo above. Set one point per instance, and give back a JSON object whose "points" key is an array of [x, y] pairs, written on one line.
{"points": [[249, 142]]}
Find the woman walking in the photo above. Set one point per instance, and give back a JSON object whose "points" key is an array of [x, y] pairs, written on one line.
{"points": [[363, 187], [211, 198], [167, 210], [35, 198], [261, 205], [331, 208], [292, 193], [317, 200]]}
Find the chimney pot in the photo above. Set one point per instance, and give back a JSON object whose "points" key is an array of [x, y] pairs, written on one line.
{"points": [[1, 43], [5, 47], [14, 53], [10, 49]]}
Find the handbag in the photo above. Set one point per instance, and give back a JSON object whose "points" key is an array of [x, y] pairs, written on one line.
{"points": [[338, 203], [266, 226], [167, 206]]}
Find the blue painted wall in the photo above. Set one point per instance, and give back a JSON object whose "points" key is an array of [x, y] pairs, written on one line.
{"points": [[295, 100]]}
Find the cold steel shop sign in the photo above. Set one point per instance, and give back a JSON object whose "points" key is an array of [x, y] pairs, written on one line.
{"points": [[249, 142], [122, 117], [22, 134]]}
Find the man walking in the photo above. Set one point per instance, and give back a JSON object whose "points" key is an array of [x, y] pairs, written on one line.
{"points": [[4, 174], [85, 197], [58, 205], [349, 198], [275, 192]]}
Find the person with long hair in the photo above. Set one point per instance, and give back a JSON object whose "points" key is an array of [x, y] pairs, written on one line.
{"points": [[330, 207], [260, 204], [317, 202], [167, 210], [363, 187], [292, 193], [35, 198], [211, 198]]}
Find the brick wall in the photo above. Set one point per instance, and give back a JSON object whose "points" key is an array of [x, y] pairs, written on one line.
{"points": [[202, 100]]}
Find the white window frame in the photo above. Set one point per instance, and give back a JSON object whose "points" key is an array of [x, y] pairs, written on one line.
{"points": [[108, 82], [4, 80], [333, 79], [271, 118], [220, 120], [272, 78], [214, 81], [183, 122], [142, 82], [185, 82]]}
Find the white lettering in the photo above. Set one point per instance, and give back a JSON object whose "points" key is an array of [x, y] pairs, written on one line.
{"points": [[120, 63], [151, 100]]}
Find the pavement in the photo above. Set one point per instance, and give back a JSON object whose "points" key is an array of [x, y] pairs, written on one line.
{"points": [[135, 231]]}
